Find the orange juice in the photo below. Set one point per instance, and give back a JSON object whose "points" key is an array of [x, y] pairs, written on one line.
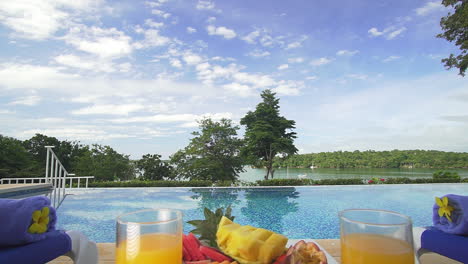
{"points": [[150, 249], [375, 249]]}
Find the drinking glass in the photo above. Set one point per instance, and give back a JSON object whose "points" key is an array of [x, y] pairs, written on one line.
{"points": [[149, 236], [375, 236]]}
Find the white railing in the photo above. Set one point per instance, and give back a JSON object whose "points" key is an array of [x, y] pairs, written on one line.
{"points": [[68, 181], [55, 174]]}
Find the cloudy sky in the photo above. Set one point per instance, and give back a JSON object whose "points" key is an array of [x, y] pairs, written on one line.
{"points": [[354, 74]]}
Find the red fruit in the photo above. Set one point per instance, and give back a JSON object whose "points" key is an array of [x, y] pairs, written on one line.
{"points": [[206, 261], [185, 254], [214, 254], [194, 239], [281, 259], [192, 248], [193, 245], [382, 179]]}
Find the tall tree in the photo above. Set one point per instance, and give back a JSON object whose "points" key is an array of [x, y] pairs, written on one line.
{"points": [[15, 160], [152, 167], [455, 27], [267, 134], [213, 154], [104, 163]]}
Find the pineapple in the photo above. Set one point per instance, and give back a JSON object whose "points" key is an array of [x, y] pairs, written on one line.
{"points": [[249, 245]]}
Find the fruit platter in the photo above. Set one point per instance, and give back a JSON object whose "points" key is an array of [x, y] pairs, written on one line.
{"points": [[219, 240]]}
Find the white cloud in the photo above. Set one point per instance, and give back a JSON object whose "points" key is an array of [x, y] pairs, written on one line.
{"points": [[91, 64], [296, 60], [259, 53], [395, 33], [156, 3], [347, 52], [430, 7], [241, 90], [191, 30], [153, 24], [289, 88], [160, 13], [361, 77], [152, 38], [205, 5], [283, 67], [252, 37], [297, 44], [391, 58], [211, 20], [105, 43], [221, 31], [375, 32], [40, 20], [171, 118], [263, 37], [28, 100], [121, 109], [320, 61], [176, 63], [192, 59], [389, 32], [311, 78]]}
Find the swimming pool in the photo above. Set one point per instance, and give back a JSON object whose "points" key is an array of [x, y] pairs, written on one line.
{"points": [[297, 212]]}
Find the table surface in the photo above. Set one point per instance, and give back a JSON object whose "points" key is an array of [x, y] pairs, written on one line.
{"points": [[332, 246]]}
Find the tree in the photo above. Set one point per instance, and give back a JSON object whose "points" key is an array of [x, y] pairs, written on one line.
{"points": [[153, 168], [15, 160], [213, 154], [267, 134], [455, 27], [104, 163]]}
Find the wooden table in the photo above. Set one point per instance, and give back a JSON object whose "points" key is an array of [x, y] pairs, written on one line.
{"points": [[332, 246]]}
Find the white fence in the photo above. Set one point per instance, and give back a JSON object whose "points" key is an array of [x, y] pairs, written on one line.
{"points": [[68, 181], [55, 174]]}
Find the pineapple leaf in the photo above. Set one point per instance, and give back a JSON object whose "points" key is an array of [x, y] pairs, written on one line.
{"points": [[207, 228]]}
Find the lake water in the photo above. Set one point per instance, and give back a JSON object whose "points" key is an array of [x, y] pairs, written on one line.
{"points": [[252, 175]]}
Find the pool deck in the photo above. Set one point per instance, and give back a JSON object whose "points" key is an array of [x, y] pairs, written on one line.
{"points": [[23, 190], [332, 246]]}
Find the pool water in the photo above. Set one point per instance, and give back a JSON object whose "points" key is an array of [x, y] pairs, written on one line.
{"points": [[296, 212]]}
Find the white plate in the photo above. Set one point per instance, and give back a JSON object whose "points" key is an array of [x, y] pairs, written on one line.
{"points": [[330, 259]]}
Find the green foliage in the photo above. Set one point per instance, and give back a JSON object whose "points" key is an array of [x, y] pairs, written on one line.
{"points": [[153, 168], [104, 163], [267, 134], [139, 183], [455, 29], [377, 159], [213, 154], [208, 227], [284, 182], [15, 160], [445, 175], [303, 182]]}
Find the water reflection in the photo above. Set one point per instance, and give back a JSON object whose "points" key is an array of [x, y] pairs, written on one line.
{"points": [[214, 198], [267, 210]]}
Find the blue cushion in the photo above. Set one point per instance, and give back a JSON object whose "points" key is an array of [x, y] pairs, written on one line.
{"points": [[56, 244], [452, 246]]}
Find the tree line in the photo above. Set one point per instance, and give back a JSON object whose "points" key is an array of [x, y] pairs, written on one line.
{"points": [[377, 159], [215, 152]]}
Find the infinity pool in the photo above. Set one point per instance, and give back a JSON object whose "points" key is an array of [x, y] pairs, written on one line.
{"points": [[297, 212]]}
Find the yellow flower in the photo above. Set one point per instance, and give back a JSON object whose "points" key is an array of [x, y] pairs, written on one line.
{"points": [[40, 220], [444, 208]]}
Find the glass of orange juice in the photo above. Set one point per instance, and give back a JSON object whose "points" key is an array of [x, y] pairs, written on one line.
{"points": [[375, 236], [149, 236]]}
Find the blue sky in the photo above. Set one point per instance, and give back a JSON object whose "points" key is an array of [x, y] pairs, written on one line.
{"points": [[137, 75]]}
